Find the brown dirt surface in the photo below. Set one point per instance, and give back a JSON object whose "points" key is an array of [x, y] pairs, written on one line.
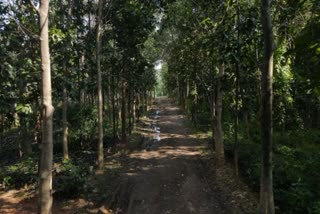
{"points": [[174, 174]]}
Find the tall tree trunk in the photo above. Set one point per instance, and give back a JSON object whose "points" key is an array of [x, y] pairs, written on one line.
{"points": [[45, 168], [65, 93], [100, 102], [109, 99], [138, 106], [218, 133], [236, 123], [65, 124], [129, 109], [146, 99], [133, 111], [236, 119], [186, 107], [82, 84], [114, 110], [123, 113], [24, 145], [118, 107], [266, 188], [213, 115]]}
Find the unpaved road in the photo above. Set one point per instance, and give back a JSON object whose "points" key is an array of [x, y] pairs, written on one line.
{"points": [[166, 178], [170, 176]]}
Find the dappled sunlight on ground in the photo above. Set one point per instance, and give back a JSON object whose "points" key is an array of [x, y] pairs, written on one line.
{"points": [[162, 169], [17, 201], [168, 152]]}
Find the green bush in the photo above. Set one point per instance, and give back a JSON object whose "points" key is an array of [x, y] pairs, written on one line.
{"points": [[69, 179], [83, 126], [296, 168], [22, 173]]}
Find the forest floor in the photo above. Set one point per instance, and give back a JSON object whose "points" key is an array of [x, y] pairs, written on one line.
{"points": [[171, 171]]}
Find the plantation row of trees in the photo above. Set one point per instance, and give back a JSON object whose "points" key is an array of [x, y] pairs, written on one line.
{"points": [[95, 82], [219, 59], [233, 65], [83, 40]]}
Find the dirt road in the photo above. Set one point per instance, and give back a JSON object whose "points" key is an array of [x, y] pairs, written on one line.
{"points": [[170, 173], [167, 177]]}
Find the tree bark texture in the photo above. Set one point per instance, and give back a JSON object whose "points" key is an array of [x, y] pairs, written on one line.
{"points": [[218, 133], [134, 112], [45, 168], [65, 92], [114, 110], [123, 113], [100, 102], [65, 124], [266, 188], [236, 121]]}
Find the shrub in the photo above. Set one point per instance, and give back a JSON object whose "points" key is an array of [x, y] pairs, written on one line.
{"points": [[69, 179], [24, 172]]}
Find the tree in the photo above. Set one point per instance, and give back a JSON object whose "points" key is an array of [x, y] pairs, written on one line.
{"points": [[266, 188], [100, 102], [217, 120], [46, 155], [65, 94]]}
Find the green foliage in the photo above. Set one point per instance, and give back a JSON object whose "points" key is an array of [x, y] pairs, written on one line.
{"points": [[26, 109], [69, 179], [296, 164], [19, 174], [192, 39], [82, 121]]}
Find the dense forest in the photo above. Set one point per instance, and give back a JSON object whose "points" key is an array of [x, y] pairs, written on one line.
{"points": [[80, 77]]}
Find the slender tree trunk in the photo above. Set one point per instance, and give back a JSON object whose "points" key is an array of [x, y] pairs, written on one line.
{"points": [[213, 116], [150, 98], [212, 105], [65, 93], [64, 115], [118, 107], [123, 113], [134, 112], [113, 94], [138, 104], [236, 119], [24, 145], [100, 102], [187, 95], [129, 109], [65, 125], [146, 99], [2, 124], [114, 110], [82, 88], [218, 133], [236, 123], [109, 99], [45, 168], [266, 188]]}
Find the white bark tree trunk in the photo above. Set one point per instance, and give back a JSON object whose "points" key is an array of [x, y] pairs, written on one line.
{"points": [[45, 169]]}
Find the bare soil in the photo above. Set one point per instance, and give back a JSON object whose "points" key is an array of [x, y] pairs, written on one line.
{"points": [[171, 172], [177, 174]]}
